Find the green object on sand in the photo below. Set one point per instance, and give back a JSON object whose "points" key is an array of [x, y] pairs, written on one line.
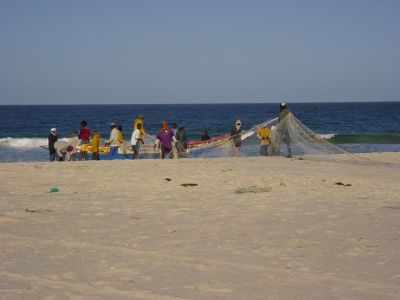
{"points": [[54, 190], [252, 189]]}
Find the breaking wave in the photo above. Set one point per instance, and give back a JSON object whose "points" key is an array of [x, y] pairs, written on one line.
{"points": [[10, 142]]}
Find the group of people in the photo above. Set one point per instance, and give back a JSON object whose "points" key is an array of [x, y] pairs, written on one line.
{"points": [[170, 141], [166, 139], [66, 150], [268, 145]]}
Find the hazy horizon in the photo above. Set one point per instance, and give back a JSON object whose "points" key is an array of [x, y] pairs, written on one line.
{"points": [[201, 103], [184, 52]]}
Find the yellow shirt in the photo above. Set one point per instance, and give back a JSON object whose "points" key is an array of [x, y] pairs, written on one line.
{"points": [[95, 142], [264, 135], [120, 137]]}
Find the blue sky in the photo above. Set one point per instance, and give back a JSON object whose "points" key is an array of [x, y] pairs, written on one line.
{"points": [[95, 52]]}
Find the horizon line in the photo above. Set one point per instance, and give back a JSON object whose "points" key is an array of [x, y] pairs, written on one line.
{"points": [[207, 103]]}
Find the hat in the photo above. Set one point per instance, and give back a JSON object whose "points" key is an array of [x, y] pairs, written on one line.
{"points": [[238, 122], [113, 124], [140, 117], [53, 129], [282, 104]]}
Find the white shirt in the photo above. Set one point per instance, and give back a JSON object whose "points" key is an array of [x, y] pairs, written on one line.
{"points": [[135, 136], [113, 141]]}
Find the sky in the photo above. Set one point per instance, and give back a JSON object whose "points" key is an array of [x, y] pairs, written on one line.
{"points": [[105, 52]]}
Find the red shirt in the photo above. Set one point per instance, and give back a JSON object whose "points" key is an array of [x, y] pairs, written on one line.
{"points": [[84, 134]]}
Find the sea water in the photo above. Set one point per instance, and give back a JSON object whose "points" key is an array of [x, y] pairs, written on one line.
{"points": [[356, 127]]}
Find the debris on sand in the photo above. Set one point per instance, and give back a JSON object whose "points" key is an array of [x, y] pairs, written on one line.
{"points": [[37, 211], [167, 179], [252, 189], [54, 190], [341, 183], [189, 184]]}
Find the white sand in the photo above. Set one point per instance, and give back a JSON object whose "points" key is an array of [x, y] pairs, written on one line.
{"points": [[119, 230]]}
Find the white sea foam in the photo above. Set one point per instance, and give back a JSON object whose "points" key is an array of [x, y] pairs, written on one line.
{"points": [[327, 136], [10, 142]]}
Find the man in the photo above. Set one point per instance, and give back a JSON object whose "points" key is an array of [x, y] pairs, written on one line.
{"points": [[205, 136], [52, 138], [140, 121], [283, 128], [174, 128], [181, 141], [136, 140], [263, 135], [61, 149], [84, 136], [164, 140], [113, 141], [94, 145], [236, 135]]}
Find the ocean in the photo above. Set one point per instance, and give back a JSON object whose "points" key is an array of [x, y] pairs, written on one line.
{"points": [[356, 127]]}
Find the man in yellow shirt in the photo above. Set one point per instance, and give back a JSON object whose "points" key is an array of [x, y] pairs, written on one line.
{"points": [[263, 135]]}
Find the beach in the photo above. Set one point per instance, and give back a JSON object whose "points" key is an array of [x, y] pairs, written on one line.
{"points": [[226, 228]]}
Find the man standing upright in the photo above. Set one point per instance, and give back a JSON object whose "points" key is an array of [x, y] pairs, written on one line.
{"points": [[113, 141], [283, 127], [139, 120], [52, 140], [263, 135], [236, 135], [136, 140]]}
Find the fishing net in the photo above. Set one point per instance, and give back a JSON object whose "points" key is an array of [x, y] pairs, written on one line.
{"points": [[293, 138], [288, 137]]}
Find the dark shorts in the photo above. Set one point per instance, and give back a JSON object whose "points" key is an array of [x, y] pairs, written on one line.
{"points": [[165, 151], [95, 156], [136, 148]]}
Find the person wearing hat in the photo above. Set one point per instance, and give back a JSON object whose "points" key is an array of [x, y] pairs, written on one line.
{"points": [[236, 134], [164, 139], [139, 120], [283, 111], [52, 138], [283, 128], [113, 141]]}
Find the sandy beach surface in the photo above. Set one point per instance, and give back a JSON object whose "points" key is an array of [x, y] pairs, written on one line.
{"points": [[244, 228]]}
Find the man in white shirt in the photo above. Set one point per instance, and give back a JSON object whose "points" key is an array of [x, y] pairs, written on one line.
{"points": [[113, 141], [136, 140]]}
